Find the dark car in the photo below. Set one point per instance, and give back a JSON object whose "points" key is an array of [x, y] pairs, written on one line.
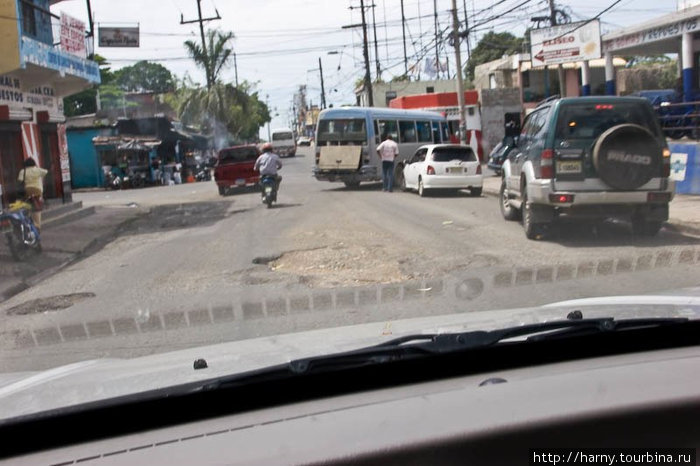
{"points": [[499, 154], [234, 167], [590, 157]]}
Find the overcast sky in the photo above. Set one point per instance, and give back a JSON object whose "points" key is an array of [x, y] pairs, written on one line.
{"points": [[279, 42]]}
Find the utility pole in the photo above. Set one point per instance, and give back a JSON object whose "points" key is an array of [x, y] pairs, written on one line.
{"points": [[235, 67], [365, 52], [201, 22], [460, 84], [323, 91], [403, 31], [437, 56], [91, 33], [376, 49], [466, 28], [560, 68]]}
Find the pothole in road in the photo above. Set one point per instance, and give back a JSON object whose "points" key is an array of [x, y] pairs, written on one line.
{"points": [[266, 259], [52, 303], [342, 265]]}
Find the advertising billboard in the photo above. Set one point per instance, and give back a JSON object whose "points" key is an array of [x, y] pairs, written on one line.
{"points": [[565, 43]]}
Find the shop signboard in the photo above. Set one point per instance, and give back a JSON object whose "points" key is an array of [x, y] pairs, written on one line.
{"points": [[73, 36], [565, 43], [118, 36]]}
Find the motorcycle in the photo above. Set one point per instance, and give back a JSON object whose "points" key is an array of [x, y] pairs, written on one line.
{"points": [[112, 181], [20, 232], [269, 189], [202, 172]]}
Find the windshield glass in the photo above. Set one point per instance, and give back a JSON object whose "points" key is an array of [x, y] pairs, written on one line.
{"points": [[134, 224], [238, 154], [449, 154], [282, 136], [342, 130]]}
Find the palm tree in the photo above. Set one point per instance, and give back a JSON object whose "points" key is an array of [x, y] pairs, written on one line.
{"points": [[213, 55]]}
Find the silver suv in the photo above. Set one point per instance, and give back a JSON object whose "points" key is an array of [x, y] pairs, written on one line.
{"points": [[590, 157]]}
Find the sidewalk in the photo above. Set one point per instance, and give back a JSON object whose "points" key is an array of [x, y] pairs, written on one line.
{"points": [[684, 215], [62, 244]]}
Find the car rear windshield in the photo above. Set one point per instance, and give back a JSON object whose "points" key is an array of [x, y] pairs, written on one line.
{"points": [[454, 153], [239, 154], [586, 121], [282, 136], [342, 130]]}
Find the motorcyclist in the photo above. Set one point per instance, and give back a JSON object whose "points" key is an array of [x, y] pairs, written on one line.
{"points": [[268, 163]]}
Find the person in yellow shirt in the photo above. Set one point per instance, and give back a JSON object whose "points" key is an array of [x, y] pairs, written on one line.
{"points": [[32, 177]]}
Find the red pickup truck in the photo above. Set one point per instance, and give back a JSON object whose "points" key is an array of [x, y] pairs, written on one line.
{"points": [[234, 167]]}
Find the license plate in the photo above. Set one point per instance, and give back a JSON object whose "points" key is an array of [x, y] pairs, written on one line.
{"points": [[455, 170], [569, 167], [240, 182]]}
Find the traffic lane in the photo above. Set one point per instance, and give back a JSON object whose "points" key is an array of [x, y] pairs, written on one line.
{"points": [[181, 255], [478, 227]]}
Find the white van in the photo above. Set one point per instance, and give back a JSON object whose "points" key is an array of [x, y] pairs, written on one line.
{"points": [[283, 143]]}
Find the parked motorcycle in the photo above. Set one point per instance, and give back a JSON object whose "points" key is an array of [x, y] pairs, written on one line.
{"points": [[269, 190], [113, 181], [20, 232]]}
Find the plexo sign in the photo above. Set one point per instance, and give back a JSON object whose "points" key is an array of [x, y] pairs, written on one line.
{"points": [[565, 43]]}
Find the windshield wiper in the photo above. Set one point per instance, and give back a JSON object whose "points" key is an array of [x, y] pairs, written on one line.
{"points": [[442, 343]]}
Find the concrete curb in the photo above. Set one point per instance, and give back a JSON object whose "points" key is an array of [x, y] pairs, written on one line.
{"points": [[68, 217]]}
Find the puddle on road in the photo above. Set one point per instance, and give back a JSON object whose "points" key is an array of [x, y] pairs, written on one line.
{"points": [[52, 303]]}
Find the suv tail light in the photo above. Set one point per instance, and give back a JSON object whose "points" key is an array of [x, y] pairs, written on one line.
{"points": [[666, 163], [430, 170], [478, 169], [547, 164]]}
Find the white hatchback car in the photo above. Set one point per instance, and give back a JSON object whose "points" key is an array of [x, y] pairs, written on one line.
{"points": [[443, 166]]}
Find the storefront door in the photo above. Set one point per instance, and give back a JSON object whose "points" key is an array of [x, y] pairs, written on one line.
{"points": [[11, 161], [50, 160]]}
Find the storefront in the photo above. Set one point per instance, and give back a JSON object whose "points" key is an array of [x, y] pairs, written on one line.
{"points": [[31, 127], [37, 70]]}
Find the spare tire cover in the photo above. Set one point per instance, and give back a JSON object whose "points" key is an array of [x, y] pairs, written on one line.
{"points": [[627, 156]]}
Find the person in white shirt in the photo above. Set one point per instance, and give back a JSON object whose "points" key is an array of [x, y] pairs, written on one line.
{"points": [[388, 150], [268, 163]]}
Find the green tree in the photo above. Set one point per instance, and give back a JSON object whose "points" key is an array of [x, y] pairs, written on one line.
{"points": [[216, 56], [85, 102], [221, 108], [144, 76], [491, 47]]}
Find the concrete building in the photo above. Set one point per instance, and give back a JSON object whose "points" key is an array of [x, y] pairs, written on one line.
{"points": [[383, 93], [516, 71], [38, 68]]}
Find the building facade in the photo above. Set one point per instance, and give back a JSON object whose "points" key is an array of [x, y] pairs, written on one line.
{"points": [[40, 64], [383, 93]]}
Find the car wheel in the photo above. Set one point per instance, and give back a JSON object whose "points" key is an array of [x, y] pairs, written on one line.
{"points": [[476, 192], [403, 184], [422, 192], [507, 210], [222, 190], [532, 230], [643, 227]]}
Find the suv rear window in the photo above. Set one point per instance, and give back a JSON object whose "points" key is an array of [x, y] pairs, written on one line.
{"points": [[587, 121], [454, 153], [240, 154]]}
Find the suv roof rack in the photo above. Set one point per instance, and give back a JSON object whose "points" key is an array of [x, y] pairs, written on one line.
{"points": [[549, 99]]}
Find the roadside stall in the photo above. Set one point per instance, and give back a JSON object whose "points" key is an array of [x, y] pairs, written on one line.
{"points": [[129, 158]]}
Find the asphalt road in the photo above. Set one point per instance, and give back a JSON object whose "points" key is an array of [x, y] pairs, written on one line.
{"points": [[200, 268]]}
